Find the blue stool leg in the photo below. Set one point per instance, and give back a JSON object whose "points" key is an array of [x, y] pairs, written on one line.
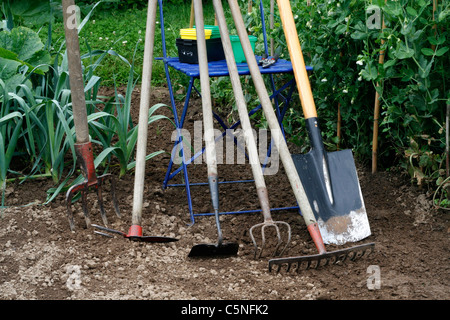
{"points": [[177, 122]]}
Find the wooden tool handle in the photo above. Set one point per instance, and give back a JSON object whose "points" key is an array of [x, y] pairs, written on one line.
{"points": [[141, 147], [210, 144], [298, 63], [75, 72], [243, 112], [272, 120]]}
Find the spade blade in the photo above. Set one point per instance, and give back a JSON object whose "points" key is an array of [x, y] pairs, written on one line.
{"points": [[333, 191]]}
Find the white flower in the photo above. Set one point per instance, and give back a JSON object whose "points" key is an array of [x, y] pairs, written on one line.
{"points": [[100, 38], [359, 62], [139, 31], [124, 42], [324, 80], [359, 78], [345, 91]]}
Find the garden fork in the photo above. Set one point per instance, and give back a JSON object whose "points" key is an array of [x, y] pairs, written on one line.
{"points": [[269, 222], [83, 147]]}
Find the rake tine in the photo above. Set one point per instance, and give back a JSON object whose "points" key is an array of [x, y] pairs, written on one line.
{"points": [[323, 259], [327, 261], [288, 267]]}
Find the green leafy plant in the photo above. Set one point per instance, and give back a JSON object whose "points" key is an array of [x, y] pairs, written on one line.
{"points": [[36, 116], [10, 129], [21, 52], [414, 82]]}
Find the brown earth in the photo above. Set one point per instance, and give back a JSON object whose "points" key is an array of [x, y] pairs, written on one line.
{"points": [[41, 258]]}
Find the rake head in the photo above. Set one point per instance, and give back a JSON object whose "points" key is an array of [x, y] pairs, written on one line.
{"points": [[296, 264], [270, 224], [86, 159]]}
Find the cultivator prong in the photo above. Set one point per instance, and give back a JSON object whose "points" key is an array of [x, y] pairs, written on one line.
{"points": [[320, 260], [270, 224], [85, 157]]}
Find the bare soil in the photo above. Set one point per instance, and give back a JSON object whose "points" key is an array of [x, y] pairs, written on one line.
{"points": [[40, 258]]}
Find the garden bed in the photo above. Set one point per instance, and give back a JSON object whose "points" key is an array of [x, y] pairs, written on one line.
{"points": [[40, 258]]}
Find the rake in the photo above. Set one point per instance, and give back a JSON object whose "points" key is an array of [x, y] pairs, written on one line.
{"points": [[295, 264], [83, 146]]}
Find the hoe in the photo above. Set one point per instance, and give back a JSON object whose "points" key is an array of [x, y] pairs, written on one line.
{"points": [[135, 230]]}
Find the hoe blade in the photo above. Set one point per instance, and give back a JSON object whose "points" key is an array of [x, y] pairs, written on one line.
{"points": [[320, 260], [334, 194], [134, 234], [157, 239], [214, 250]]}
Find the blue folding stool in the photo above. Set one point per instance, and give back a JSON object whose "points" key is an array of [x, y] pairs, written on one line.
{"points": [[218, 69]]}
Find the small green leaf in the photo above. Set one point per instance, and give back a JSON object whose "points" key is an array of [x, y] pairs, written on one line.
{"points": [[441, 51], [427, 51], [389, 63], [392, 8], [403, 51], [411, 11]]}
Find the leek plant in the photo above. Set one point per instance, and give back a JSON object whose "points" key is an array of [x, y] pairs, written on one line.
{"points": [[10, 129], [36, 119], [114, 123]]}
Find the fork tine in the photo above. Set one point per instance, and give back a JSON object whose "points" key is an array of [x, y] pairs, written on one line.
{"points": [[114, 197], [263, 226], [83, 188], [69, 210], [100, 203], [85, 208]]}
